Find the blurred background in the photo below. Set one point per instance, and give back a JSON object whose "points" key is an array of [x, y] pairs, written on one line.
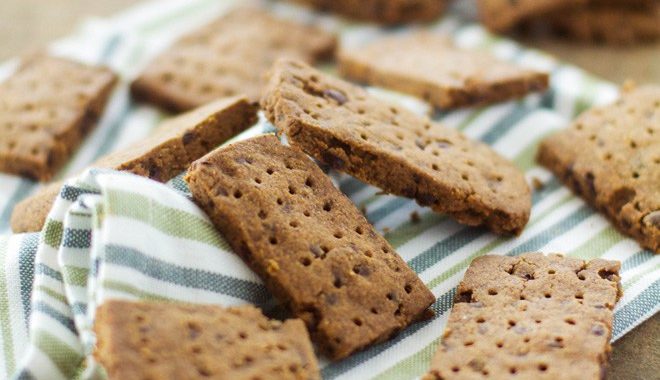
{"points": [[26, 25], [29, 24]]}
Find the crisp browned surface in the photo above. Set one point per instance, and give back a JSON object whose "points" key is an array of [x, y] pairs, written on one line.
{"points": [[622, 25], [532, 316], [173, 146], [392, 148], [312, 247], [28, 24], [46, 109], [610, 156], [502, 15], [385, 12], [227, 57], [429, 66], [169, 341]]}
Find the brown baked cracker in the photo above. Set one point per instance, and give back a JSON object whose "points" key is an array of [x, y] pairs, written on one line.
{"points": [[314, 250], [390, 147], [530, 317], [503, 15], [141, 340], [384, 12], [226, 57], [610, 156], [431, 67], [621, 24], [172, 147], [46, 109]]}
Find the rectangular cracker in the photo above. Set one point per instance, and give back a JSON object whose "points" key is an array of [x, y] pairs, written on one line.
{"points": [[431, 67], [227, 57], [390, 147], [141, 340], [530, 317], [384, 12], [622, 24], [46, 109], [312, 247], [503, 15], [163, 155], [610, 156]]}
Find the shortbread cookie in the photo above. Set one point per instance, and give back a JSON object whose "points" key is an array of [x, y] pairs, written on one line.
{"points": [[314, 250], [610, 156], [431, 67], [530, 317], [227, 57], [390, 147], [503, 15], [173, 146], [141, 340], [385, 12], [46, 109], [615, 24]]}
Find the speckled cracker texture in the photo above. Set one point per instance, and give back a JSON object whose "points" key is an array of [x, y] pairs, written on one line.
{"points": [[530, 317], [312, 247], [610, 156]]}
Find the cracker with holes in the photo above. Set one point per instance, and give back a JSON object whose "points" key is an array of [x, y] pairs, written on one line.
{"points": [[384, 12], [139, 340], [532, 316], [168, 151], [227, 57], [46, 109], [431, 67], [314, 250], [503, 15], [610, 157], [390, 147]]}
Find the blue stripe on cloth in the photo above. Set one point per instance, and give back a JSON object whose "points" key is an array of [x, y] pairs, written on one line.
{"points": [[454, 242], [189, 277], [71, 193], [506, 124], [77, 238], [42, 307], [24, 375], [636, 259], [42, 268], [557, 229], [79, 308], [27, 255], [634, 310], [441, 306]]}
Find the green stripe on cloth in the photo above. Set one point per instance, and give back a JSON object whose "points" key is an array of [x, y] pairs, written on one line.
{"points": [[75, 276], [5, 322], [185, 225], [134, 291], [53, 294], [52, 233], [65, 358]]}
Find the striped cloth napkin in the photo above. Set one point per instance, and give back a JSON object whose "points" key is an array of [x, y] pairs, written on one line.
{"points": [[115, 235]]}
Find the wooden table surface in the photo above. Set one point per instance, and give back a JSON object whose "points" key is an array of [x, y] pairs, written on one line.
{"points": [[30, 24]]}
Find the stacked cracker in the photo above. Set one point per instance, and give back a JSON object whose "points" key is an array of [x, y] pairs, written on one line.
{"points": [[610, 21]]}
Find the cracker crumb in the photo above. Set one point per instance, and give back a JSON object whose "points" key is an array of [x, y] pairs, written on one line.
{"points": [[414, 217], [537, 184]]}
